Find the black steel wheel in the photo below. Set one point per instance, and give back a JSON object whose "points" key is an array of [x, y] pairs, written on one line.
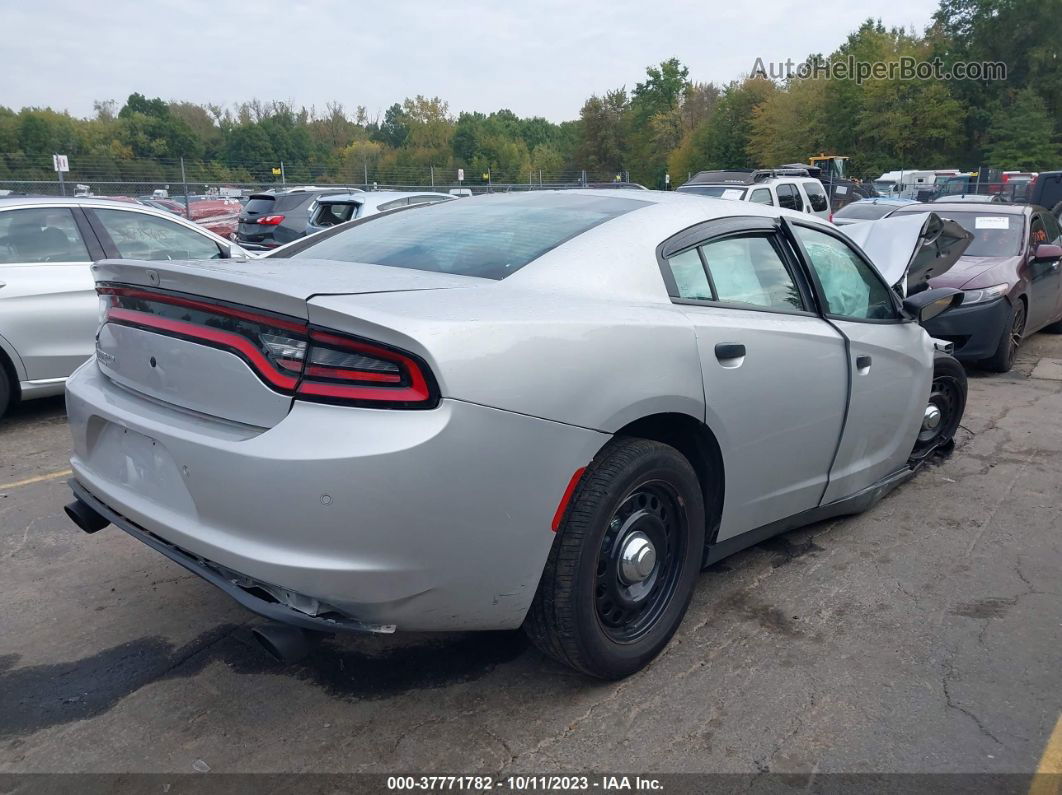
{"points": [[945, 407], [639, 562]]}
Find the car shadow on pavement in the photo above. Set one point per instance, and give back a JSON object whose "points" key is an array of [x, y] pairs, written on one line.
{"points": [[42, 410], [39, 696]]}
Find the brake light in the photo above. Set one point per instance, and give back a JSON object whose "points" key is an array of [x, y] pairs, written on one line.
{"points": [[270, 220], [289, 355], [344, 369]]}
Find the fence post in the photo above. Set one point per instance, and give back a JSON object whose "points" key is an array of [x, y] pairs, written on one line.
{"points": [[283, 176], [432, 176], [184, 181], [365, 168], [584, 178]]}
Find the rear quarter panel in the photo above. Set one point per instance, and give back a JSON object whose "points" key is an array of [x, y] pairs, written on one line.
{"points": [[597, 364]]}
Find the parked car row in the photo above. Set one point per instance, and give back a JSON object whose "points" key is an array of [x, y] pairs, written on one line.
{"points": [[269, 220]]}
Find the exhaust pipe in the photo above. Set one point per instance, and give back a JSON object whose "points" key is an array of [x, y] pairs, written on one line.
{"points": [[85, 517], [283, 642]]}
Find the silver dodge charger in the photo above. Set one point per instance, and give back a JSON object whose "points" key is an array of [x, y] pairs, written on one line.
{"points": [[547, 410]]}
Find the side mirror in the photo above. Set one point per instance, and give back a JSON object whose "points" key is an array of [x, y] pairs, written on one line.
{"points": [[1047, 252], [225, 251], [927, 304]]}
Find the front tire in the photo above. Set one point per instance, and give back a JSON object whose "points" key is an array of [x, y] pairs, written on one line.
{"points": [[1013, 333], [624, 565], [947, 397]]}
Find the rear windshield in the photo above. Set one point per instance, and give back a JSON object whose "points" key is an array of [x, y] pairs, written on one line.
{"points": [[864, 212], [994, 235], [490, 237], [715, 191], [259, 205]]}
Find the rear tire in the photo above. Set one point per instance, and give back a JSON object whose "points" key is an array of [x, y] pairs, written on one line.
{"points": [[948, 395], [1009, 342], [592, 611]]}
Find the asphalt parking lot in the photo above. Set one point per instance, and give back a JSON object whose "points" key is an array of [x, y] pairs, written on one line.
{"points": [[922, 636]]}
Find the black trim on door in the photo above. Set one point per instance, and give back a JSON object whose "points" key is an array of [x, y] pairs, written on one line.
{"points": [[88, 234], [734, 226]]}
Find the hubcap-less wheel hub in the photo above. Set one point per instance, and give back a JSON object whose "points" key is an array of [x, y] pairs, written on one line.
{"points": [[931, 418], [637, 558]]}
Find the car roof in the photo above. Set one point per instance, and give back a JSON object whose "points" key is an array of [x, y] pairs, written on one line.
{"points": [[88, 200], [883, 200], [378, 196], [994, 208]]}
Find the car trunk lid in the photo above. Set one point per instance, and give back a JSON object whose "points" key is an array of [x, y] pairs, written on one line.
{"points": [[225, 339]]}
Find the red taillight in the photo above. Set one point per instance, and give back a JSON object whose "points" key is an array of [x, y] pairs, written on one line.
{"points": [[344, 369], [288, 354], [270, 220]]}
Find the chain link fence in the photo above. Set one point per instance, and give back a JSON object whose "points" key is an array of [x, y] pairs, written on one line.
{"points": [[104, 176]]}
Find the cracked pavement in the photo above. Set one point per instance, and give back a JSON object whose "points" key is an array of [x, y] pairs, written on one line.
{"points": [[922, 636]]}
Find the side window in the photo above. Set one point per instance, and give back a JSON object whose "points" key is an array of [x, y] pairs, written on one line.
{"points": [[1037, 232], [788, 197], [426, 199], [392, 204], [852, 288], [816, 195], [690, 278], [749, 270], [141, 236], [762, 196], [45, 234]]}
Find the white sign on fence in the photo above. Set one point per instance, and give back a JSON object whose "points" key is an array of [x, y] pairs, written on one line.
{"points": [[61, 163], [460, 175]]}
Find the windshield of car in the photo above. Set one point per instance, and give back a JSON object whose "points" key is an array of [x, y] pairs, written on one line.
{"points": [[884, 185], [870, 211], [715, 191], [994, 235], [491, 237]]}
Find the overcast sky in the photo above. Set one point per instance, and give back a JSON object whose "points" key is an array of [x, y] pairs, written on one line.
{"points": [[536, 58]]}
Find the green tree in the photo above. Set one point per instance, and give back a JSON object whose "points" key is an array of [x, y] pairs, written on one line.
{"points": [[1022, 135]]}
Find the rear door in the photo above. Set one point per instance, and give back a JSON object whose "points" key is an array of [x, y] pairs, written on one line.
{"points": [[775, 375], [48, 308], [889, 359]]}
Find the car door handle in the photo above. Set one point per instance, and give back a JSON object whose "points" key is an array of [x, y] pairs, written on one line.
{"points": [[726, 351], [863, 362]]}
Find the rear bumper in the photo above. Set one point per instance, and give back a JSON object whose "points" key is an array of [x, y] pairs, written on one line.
{"points": [[974, 330], [428, 520], [226, 581]]}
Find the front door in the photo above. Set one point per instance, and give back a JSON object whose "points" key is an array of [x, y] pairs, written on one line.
{"points": [[889, 359], [1045, 277]]}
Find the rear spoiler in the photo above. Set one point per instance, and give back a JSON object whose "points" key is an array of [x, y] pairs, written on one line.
{"points": [[916, 245]]}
